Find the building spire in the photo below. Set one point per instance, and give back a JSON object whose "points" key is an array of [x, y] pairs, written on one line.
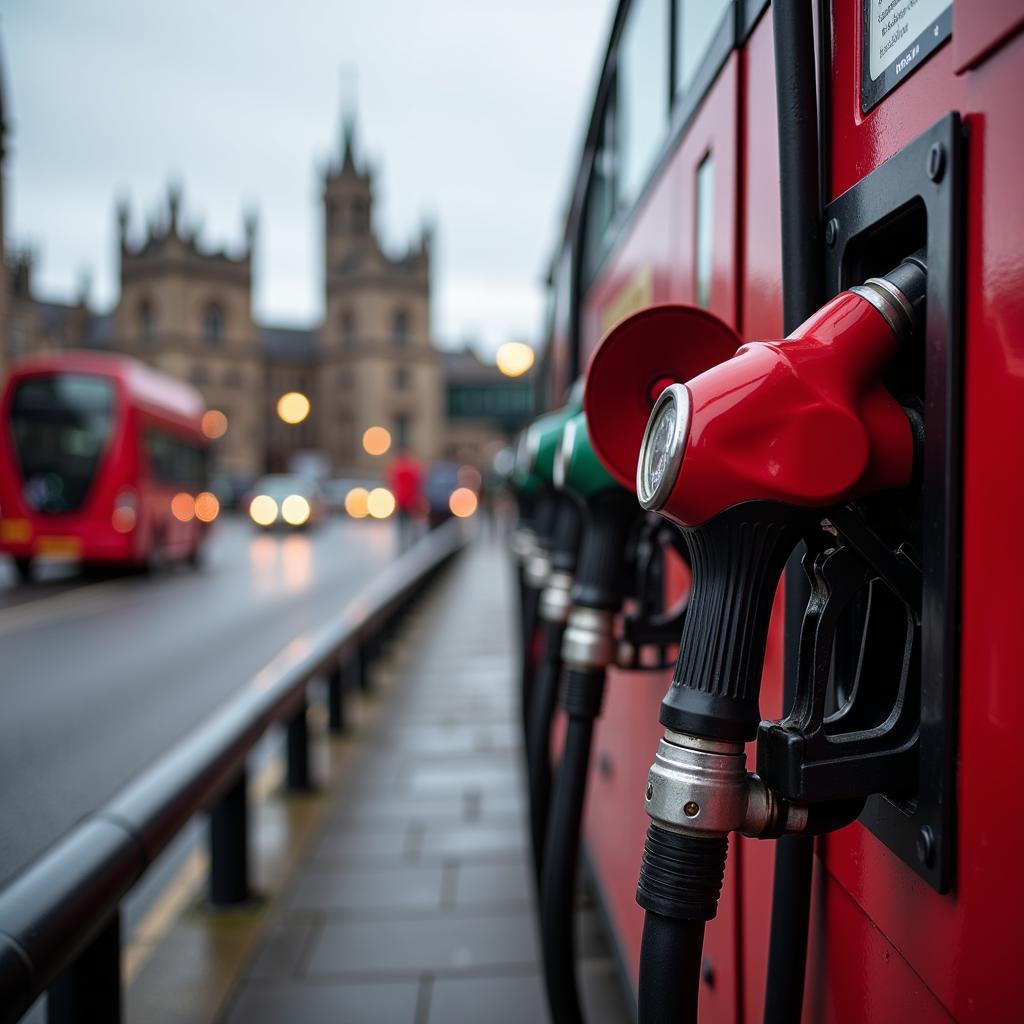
{"points": [[348, 119]]}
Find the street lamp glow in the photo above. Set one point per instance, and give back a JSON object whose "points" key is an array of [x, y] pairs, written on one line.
{"points": [[514, 358], [293, 407], [376, 441], [462, 502], [214, 424]]}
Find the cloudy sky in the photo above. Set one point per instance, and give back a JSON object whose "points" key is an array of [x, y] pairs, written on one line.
{"points": [[472, 111]]}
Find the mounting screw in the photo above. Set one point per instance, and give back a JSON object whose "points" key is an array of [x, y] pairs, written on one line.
{"points": [[831, 232], [691, 808], [926, 846], [650, 791], [707, 972], [936, 161]]}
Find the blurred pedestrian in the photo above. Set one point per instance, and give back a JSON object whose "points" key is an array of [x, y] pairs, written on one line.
{"points": [[405, 481]]}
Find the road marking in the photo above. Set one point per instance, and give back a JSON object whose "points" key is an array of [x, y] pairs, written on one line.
{"points": [[181, 889], [87, 599]]}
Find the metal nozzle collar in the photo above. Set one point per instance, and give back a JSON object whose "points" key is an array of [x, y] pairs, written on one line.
{"points": [[537, 569], [702, 788], [589, 640], [554, 599]]}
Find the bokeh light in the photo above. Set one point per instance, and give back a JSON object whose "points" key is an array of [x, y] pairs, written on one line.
{"points": [[376, 440], [263, 510], [293, 407], [183, 507], [514, 358], [356, 503], [123, 519], [462, 502], [469, 476], [214, 424], [380, 503], [295, 510], [207, 507]]}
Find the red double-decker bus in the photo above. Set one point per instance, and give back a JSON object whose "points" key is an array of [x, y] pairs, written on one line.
{"points": [[102, 460]]}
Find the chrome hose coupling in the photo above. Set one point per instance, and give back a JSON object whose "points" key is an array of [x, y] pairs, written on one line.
{"points": [[523, 543], [555, 601], [701, 788], [589, 641], [537, 569]]}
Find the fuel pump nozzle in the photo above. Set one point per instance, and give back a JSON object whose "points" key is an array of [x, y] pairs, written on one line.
{"points": [[609, 513], [743, 457]]}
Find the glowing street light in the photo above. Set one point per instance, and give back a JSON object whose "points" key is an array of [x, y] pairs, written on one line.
{"points": [[214, 424], [293, 407], [514, 358], [376, 441]]}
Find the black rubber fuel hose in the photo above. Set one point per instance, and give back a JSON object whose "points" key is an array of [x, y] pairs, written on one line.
{"points": [[581, 698]]}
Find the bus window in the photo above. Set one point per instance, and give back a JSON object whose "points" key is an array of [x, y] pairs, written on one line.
{"points": [[704, 235], [643, 90], [601, 195], [696, 23], [61, 424]]}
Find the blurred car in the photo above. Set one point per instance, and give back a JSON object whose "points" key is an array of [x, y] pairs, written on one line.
{"points": [[337, 491], [232, 489], [287, 500]]}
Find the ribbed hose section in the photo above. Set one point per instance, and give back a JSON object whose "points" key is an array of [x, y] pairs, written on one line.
{"points": [[558, 900], [680, 882], [538, 742]]}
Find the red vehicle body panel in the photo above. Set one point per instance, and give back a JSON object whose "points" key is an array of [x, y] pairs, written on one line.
{"points": [[884, 945], [143, 398]]}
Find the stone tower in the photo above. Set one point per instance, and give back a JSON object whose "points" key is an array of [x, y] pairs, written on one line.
{"points": [[378, 366], [187, 309]]}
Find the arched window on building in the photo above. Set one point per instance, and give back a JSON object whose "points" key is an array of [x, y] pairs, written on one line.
{"points": [[400, 328], [347, 325], [213, 324], [199, 376], [401, 378], [147, 320], [232, 378]]}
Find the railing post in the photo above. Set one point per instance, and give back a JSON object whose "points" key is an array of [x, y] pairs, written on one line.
{"points": [[298, 750], [229, 845], [363, 657], [336, 699], [89, 990]]}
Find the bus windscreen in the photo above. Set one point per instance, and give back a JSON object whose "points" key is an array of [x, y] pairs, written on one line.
{"points": [[61, 424]]}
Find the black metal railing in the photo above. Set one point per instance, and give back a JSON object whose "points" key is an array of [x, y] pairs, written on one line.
{"points": [[60, 918]]}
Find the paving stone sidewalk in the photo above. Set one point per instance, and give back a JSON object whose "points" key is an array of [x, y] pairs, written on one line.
{"points": [[415, 905]]}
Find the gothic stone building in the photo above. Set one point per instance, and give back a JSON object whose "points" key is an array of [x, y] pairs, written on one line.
{"points": [[187, 309]]}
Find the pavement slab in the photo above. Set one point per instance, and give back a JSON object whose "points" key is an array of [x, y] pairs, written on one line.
{"points": [[415, 903]]}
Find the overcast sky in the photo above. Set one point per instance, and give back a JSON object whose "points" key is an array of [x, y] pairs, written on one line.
{"points": [[472, 111]]}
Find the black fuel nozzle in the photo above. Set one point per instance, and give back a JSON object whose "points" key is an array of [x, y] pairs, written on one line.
{"points": [[745, 458]]}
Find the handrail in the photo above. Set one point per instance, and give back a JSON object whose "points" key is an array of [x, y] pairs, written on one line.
{"points": [[55, 907]]}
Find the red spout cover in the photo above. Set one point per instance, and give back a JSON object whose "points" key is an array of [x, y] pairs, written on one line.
{"points": [[806, 421], [638, 358]]}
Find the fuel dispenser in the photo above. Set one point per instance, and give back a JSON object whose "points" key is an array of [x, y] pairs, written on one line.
{"points": [[778, 441]]}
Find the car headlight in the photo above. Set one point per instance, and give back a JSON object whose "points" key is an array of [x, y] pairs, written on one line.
{"points": [[295, 510], [661, 451]]}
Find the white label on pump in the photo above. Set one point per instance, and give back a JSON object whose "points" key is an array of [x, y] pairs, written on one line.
{"points": [[894, 28]]}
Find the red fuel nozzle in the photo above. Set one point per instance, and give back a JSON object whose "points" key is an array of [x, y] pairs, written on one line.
{"points": [[806, 421]]}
